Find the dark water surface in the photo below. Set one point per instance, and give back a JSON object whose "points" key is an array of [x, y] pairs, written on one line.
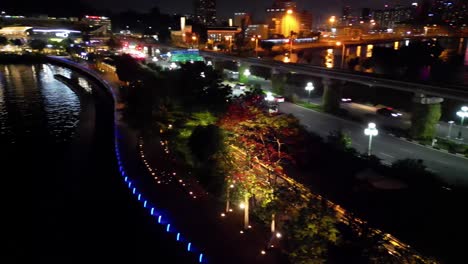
{"points": [[64, 201]]}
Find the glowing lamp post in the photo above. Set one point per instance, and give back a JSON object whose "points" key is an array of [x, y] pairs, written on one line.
{"points": [[462, 114], [343, 51], [269, 97], [370, 131], [309, 87], [247, 73], [255, 38], [450, 128]]}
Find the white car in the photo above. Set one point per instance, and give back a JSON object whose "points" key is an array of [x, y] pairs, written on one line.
{"points": [[240, 86]]}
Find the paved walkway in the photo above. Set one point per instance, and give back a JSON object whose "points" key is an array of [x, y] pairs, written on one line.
{"points": [[199, 218]]}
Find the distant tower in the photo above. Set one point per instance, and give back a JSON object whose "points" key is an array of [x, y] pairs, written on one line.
{"points": [[205, 11], [366, 14], [345, 15]]}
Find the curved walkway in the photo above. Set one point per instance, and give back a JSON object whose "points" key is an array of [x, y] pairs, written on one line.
{"points": [[151, 213], [182, 215]]}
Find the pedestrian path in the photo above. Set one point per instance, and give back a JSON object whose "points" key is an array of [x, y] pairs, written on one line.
{"points": [[198, 216]]}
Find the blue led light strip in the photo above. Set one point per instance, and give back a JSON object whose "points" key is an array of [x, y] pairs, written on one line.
{"points": [[126, 178]]}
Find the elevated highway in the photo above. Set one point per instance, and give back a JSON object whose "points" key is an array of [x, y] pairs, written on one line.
{"points": [[448, 92]]}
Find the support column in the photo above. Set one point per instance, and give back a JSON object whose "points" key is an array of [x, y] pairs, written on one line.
{"points": [[425, 115], [217, 65], [331, 95], [278, 81]]}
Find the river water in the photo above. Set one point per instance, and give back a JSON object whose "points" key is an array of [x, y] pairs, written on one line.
{"points": [[36, 106]]}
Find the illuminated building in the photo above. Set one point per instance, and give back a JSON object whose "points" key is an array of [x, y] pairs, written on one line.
{"points": [[257, 30], [205, 12], [283, 17], [98, 24], [346, 15], [242, 20], [220, 34], [387, 18], [46, 34]]}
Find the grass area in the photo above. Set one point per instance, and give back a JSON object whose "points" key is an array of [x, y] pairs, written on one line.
{"points": [[451, 146], [315, 107]]}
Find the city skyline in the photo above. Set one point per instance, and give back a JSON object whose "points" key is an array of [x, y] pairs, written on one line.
{"points": [[226, 9]]}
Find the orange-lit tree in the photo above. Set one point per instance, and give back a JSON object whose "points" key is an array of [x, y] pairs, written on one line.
{"points": [[256, 144]]}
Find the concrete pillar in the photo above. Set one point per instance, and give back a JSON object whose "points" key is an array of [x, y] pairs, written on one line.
{"points": [[331, 95], [425, 116], [278, 82], [218, 65]]}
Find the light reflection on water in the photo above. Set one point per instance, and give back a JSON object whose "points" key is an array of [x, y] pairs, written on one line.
{"points": [[34, 105]]}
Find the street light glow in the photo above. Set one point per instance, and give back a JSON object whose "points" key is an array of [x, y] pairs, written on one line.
{"points": [[371, 131], [269, 97], [242, 206], [309, 87], [247, 73], [278, 235], [462, 114], [289, 12]]}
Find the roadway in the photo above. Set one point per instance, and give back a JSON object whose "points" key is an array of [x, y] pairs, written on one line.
{"points": [[368, 112], [451, 168]]}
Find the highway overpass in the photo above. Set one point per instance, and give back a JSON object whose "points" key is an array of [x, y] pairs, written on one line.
{"points": [[448, 92]]}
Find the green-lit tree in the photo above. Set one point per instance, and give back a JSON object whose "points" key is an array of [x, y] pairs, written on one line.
{"points": [[309, 232]]}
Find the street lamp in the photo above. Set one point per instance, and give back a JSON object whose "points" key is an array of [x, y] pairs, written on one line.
{"points": [[194, 38], [462, 114], [370, 131], [309, 87], [332, 21], [255, 38], [229, 38], [343, 50], [247, 73], [269, 97], [450, 128]]}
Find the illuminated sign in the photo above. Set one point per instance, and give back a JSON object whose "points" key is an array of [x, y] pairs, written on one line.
{"points": [[186, 55]]}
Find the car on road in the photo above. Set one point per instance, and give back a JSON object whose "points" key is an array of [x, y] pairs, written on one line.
{"points": [[279, 99], [240, 86], [388, 111], [346, 100]]}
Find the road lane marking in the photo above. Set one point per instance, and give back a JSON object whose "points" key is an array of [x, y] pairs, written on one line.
{"points": [[385, 154]]}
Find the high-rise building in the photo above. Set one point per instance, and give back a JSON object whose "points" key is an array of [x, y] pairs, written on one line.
{"points": [[387, 18], [205, 12], [345, 15], [242, 20], [283, 18], [366, 14]]}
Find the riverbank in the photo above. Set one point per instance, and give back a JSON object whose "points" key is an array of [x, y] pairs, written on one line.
{"points": [[120, 228]]}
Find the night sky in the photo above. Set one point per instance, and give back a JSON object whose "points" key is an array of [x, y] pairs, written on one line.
{"points": [[227, 7], [319, 8]]}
